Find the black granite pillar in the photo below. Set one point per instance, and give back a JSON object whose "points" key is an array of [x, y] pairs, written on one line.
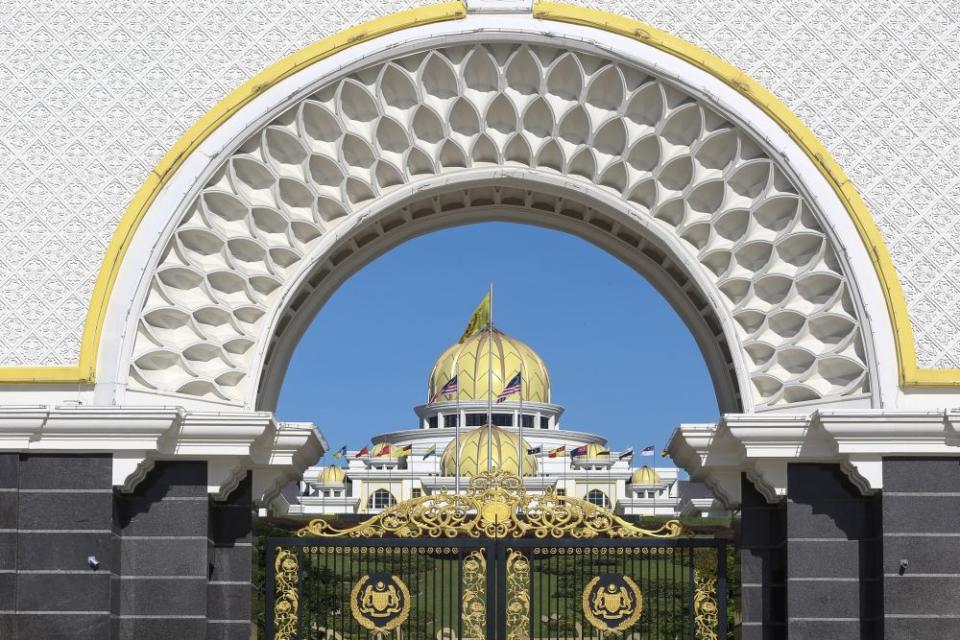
{"points": [[164, 555], [63, 556], [834, 586], [762, 565], [921, 526], [231, 547], [9, 479]]}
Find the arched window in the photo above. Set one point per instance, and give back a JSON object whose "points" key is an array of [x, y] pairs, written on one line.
{"points": [[381, 499], [598, 498]]}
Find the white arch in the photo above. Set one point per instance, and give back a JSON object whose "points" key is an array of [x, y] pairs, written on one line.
{"points": [[161, 221]]}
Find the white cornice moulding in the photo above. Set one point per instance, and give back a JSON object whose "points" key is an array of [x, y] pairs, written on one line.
{"points": [[761, 446], [231, 443]]}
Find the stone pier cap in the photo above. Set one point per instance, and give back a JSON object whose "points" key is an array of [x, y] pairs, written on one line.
{"points": [[231, 443], [762, 445]]}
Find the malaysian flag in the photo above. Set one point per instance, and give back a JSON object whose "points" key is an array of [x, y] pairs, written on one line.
{"points": [[450, 387], [512, 387]]}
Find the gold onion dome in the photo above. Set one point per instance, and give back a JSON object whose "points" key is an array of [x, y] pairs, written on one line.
{"points": [[645, 475], [332, 475], [597, 452], [471, 362], [475, 451], [384, 450]]}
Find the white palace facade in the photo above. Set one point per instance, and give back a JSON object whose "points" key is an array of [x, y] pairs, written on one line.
{"points": [[410, 463]]}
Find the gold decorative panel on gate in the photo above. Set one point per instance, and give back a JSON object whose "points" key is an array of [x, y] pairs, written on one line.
{"points": [[496, 563], [496, 505]]}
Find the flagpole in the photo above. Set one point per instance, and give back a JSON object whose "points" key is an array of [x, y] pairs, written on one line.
{"points": [[542, 471], [490, 386], [456, 425], [520, 449]]}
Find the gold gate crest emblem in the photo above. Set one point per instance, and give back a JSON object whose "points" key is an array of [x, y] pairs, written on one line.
{"points": [[612, 602], [380, 602]]}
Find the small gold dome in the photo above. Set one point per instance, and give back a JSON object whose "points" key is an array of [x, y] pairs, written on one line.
{"points": [[474, 450], [645, 475], [332, 475], [597, 452], [381, 450], [471, 362]]}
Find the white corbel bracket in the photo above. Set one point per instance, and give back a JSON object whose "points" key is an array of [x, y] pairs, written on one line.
{"points": [[856, 440], [711, 457], [232, 444], [282, 455]]}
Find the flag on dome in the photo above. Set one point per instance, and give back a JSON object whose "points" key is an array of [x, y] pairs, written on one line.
{"points": [[405, 451], [363, 452], [479, 319], [450, 387], [647, 451], [558, 452], [339, 453], [626, 454], [512, 387], [431, 451], [579, 451], [534, 450]]}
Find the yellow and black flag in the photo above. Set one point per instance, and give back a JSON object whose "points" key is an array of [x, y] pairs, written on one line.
{"points": [[479, 319]]}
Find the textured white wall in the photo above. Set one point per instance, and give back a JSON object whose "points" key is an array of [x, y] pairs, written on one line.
{"points": [[96, 91]]}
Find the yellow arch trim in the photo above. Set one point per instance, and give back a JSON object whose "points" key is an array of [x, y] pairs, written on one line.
{"points": [[910, 373], [85, 372]]}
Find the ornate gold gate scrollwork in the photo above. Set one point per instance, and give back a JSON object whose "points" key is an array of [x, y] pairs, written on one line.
{"points": [[474, 611], [286, 605], [518, 596], [495, 505], [705, 607]]}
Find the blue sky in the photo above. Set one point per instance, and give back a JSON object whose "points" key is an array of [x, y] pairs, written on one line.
{"points": [[623, 364]]}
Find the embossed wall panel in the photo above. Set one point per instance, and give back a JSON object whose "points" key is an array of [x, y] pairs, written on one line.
{"points": [[97, 91], [878, 81]]}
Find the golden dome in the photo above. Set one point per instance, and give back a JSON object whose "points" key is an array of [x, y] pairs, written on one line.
{"points": [[378, 450], [474, 449], [470, 361], [332, 475], [597, 452], [645, 475]]}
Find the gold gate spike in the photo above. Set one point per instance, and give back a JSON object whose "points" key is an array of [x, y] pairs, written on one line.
{"points": [[495, 505]]}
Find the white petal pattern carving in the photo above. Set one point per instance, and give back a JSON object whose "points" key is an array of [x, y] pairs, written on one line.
{"points": [[667, 155]]}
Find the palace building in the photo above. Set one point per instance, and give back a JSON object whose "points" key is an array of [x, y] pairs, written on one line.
{"points": [[184, 186], [468, 382]]}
